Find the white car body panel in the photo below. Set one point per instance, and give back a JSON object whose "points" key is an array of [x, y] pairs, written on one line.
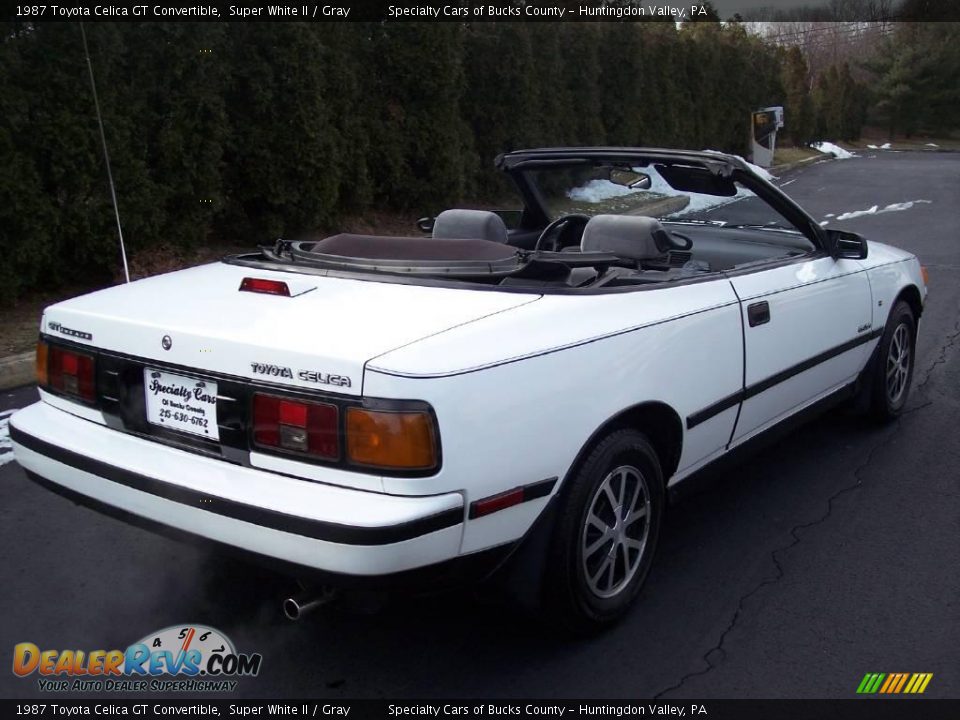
{"points": [[333, 327], [889, 270], [538, 415], [814, 306]]}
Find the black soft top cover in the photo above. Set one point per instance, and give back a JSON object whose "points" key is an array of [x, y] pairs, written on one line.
{"points": [[379, 247]]}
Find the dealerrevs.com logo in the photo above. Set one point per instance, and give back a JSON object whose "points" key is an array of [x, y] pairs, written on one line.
{"points": [[180, 658]]}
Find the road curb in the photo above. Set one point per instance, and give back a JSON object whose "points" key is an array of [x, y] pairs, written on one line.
{"points": [[16, 370], [786, 167]]}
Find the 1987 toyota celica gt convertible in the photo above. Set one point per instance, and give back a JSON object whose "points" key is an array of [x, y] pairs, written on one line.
{"points": [[501, 394]]}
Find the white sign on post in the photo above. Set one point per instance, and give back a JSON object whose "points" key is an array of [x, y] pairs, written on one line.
{"points": [[763, 134]]}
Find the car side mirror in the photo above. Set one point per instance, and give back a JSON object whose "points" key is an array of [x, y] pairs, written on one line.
{"points": [[849, 245], [425, 224]]}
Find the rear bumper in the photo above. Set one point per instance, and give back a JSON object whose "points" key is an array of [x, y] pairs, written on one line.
{"points": [[306, 524]]}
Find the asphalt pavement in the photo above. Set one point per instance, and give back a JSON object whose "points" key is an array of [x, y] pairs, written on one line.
{"points": [[828, 555]]}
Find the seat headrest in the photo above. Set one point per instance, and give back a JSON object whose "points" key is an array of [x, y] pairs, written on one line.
{"points": [[635, 237], [470, 225]]}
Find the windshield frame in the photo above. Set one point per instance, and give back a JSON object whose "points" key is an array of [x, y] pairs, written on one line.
{"points": [[517, 165]]}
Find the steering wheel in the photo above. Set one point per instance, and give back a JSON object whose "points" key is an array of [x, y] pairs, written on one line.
{"points": [[559, 222]]}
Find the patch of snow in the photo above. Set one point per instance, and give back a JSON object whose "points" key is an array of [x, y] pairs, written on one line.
{"points": [[599, 190], [830, 215], [824, 222], [857, 213], [877, 210], [6, 447], [830, 149], [932, 145], [762, 172]]}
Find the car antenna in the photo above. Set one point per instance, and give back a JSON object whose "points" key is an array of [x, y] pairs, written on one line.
{"points": [[106, 155]]}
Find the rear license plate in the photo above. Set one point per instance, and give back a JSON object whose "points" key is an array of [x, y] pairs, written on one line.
{"points": [[177, 402]]}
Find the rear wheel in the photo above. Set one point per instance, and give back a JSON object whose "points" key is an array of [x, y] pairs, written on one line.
{"points": [[893, 369], [606, 533]]}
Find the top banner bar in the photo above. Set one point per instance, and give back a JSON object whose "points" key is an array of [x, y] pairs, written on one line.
{"points": [[471, 11]]}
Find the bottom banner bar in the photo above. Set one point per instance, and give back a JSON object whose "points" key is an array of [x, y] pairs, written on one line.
{"points": [[873, 709]]}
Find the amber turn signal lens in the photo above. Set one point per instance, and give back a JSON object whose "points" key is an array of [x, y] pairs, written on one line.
{"points": [[43, 351], [395, 440], [924, 275]]}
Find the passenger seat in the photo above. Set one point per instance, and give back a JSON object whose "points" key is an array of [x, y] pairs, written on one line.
{"points": [[470, 225]]}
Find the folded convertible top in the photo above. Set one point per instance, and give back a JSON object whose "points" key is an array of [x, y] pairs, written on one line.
{"points": [[379, 247]]}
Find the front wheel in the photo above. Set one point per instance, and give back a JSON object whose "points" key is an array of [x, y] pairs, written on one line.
{"points": [[893, 370], [606, 533]]}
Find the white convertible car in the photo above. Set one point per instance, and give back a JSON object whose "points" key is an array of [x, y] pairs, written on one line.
{"points": [[519, 391]]}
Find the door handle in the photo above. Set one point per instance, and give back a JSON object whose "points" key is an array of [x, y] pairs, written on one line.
{"points": [[758, 313]]}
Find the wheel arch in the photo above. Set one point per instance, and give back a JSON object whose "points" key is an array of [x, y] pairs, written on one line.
{"points": [[911, 295], [655, 419]]}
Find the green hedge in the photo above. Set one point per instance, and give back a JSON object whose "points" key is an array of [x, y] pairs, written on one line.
{"points": [[242, 133]]}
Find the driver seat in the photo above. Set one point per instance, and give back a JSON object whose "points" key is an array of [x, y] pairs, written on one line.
{"points": [[470, 225], [633, 237]]}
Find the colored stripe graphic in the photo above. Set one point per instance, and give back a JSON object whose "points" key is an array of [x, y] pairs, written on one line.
{"points": [[894, 683], [903, 680]]}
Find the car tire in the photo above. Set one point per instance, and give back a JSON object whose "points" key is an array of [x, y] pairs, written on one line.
{"points": [[606, 533], [893, 366]]}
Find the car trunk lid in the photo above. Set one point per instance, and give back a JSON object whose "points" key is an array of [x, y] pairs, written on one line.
{"points": [[319, 337]]}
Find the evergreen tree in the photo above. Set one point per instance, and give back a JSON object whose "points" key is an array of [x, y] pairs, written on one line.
{"points": [[420, 82], [582, 77], [916, 74], [621, 58], [501, 96], [248, 131], [798, 109], [827, 103], [284, 152]]}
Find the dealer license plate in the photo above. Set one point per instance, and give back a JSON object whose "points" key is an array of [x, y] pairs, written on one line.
{"points": [[177, 402]]}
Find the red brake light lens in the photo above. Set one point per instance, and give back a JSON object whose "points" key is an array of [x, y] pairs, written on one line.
{"points": [[71, 373], [296, 425], [268, 287]]}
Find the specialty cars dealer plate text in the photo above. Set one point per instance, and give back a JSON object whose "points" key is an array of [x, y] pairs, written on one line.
{"points": [[181, 403]]}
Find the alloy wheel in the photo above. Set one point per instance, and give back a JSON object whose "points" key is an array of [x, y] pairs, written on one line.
{"points": [[615, 531], [898, 363]]}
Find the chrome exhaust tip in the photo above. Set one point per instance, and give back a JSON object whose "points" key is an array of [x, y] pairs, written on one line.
{"points": [[296, 606]]}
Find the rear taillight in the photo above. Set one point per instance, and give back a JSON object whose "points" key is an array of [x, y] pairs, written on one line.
{"points": [[66, 371], [397, 439], [391, 440], [296, 425]]}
